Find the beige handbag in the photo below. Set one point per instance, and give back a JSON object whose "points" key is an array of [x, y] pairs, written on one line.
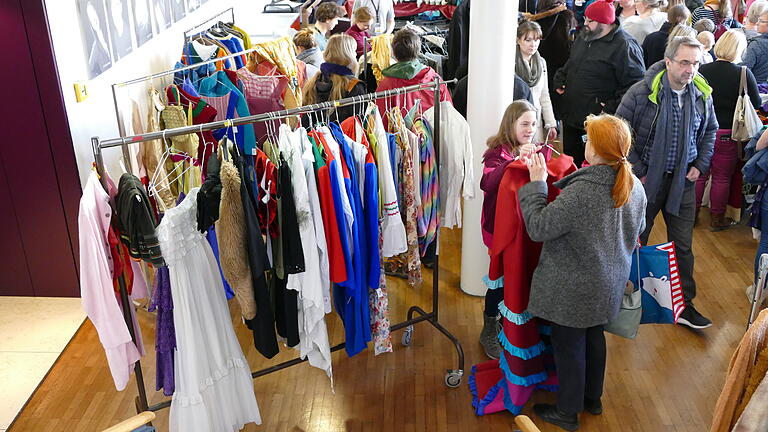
{"points": [[746, 123]]}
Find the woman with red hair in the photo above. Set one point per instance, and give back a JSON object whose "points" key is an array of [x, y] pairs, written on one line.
{"points": [[588, 233]]}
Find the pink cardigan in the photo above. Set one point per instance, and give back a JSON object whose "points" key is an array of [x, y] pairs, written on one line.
{"points": [[96, 290]]}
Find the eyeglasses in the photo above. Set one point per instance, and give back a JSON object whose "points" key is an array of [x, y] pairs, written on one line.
{"points": [[762, 21], [686, 63]]}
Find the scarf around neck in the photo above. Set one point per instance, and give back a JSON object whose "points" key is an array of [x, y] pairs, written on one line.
{"points": [[662, 142], [529, 73], [336, 69]]}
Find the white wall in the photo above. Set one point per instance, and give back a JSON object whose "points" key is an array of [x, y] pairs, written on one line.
{"points": [[96, 115]]}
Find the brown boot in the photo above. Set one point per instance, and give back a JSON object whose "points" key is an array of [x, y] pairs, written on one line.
{"points": [[720, 223]]}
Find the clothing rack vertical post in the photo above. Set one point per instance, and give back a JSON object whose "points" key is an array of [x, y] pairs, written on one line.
{"points": [[453, 377]]}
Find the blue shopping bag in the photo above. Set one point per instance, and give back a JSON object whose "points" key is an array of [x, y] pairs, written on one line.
{"points": [[659, 282]]}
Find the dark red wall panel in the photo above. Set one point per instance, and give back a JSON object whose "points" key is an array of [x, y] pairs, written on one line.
{"points": [[33, 154]]}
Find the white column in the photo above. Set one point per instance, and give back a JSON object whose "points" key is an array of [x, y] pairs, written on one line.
{"points": [[492, 43]]}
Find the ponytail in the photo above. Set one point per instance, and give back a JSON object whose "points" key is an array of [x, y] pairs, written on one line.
{"points": [[622, 187], [611, 138]]}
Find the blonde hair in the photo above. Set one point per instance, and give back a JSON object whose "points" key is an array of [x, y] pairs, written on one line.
{"points": [[610, 138], [506, 136], [340, 50], [305, 39], [362, 15], [731, 46], [681, 30], [725, 9], [707, 39], [653, 4]]}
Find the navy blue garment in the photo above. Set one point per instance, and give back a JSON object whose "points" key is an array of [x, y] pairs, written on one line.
{"points": [[210, 235]]}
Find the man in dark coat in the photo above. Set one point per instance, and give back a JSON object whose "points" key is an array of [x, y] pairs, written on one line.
{"points": [[672, 115], [604, 62]]}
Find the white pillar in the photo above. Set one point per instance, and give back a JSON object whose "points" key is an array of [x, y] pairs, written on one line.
{"points": [[492, 43]]}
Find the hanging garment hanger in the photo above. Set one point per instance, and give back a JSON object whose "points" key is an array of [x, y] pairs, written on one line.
{"points": [[187, 159]]}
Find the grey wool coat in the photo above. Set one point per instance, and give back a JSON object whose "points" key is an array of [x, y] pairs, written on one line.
{"points": [[587, 252]]}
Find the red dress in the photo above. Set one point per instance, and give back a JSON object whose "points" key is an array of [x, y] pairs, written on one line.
{"points": [[338, 269], [526, 362]]}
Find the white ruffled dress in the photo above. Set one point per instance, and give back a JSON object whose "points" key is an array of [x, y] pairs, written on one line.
{"points": [[214, 388]]}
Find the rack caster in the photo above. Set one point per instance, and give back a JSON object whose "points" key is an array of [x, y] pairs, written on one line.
{"points": [[407, 335], [453, 378]]}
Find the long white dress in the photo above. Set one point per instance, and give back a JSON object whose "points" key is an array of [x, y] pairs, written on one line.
{"points": [[214, 388]]}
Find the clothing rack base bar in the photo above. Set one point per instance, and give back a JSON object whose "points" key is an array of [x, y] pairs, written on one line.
{"points": [[453, 377]]}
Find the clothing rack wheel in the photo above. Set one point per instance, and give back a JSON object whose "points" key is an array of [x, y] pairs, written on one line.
{"points": [[407, 335]]}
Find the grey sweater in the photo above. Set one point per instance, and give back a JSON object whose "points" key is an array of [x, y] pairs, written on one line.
{"points": [[586, 256]]}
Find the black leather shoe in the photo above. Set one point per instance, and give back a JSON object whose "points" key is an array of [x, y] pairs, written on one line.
{"points": [[550, 414], [593, 406]]}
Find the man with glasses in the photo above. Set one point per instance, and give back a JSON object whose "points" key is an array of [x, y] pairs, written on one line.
{"points": [[756, 57], [673, 117], [604, 62]]}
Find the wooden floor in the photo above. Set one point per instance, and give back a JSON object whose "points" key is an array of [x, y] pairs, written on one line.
{"points": [[668, 379]]}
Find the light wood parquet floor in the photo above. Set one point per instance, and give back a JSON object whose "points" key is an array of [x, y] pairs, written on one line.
{"points": [[667, 379]]}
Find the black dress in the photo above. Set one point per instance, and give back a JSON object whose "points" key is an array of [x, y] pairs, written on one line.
{"points": [[286, 300], [263, 324]]}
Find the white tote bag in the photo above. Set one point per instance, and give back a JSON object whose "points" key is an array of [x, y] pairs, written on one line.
{"points": [[746, 123]]}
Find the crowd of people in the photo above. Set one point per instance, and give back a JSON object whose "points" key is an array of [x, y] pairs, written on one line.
{"points": [[642, 95]]}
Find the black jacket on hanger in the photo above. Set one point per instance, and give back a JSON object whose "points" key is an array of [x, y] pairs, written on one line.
{"points": [[286, 300], [263, 324]]}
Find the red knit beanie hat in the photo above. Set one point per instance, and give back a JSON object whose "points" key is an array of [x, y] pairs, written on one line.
{"points": [[601, 11]]}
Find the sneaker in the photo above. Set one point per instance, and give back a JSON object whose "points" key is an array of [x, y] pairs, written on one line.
{"points": [[550, 414], [693, 319], [593, 406], [489, 337]]}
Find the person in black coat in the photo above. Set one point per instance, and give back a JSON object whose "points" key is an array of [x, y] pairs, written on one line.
{"points": [[604, 63], [459, 94], [458, 40], [656, 42]]}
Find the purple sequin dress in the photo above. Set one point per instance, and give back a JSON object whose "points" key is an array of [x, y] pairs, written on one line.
{"points": [[165, 334]]}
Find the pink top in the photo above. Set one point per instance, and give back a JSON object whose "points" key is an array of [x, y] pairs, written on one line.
{"points": [[96, 289]]}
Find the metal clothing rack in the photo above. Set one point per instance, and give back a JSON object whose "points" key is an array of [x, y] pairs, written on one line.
{"points": [[415, 315], [230, 11]]}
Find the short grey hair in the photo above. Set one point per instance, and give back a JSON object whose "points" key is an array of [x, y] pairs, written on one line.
{"points": [[675, 43], [756, 9]]}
